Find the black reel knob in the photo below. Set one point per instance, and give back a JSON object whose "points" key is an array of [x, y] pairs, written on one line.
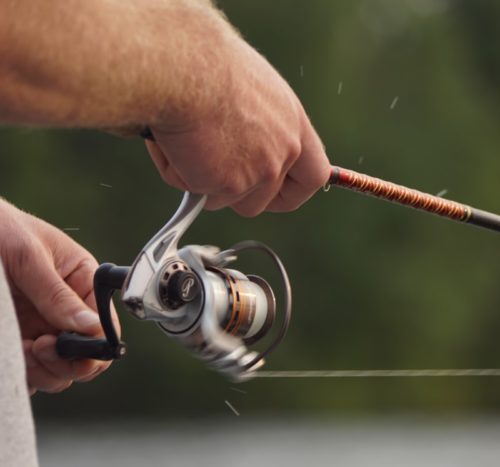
{"points": [[178, 286], [183, 286]]}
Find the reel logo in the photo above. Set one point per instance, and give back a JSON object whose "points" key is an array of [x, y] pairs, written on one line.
{"points": [[186, 288]]}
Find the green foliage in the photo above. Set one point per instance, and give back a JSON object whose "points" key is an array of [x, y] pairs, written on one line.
{"points": [[375, 286]]}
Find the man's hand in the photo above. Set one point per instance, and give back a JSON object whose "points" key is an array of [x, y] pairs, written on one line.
{"points": [[50, 277], [248, 145], [226, 124]]}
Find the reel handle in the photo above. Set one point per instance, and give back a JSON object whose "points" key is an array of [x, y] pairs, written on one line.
{"points": [[72, 346], [107, 278]]}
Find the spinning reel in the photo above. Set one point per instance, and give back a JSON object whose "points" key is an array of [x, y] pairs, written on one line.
{"points": [[214, 311]]}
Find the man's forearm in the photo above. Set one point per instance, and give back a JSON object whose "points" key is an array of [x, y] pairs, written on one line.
{"points": [[108, 63]]}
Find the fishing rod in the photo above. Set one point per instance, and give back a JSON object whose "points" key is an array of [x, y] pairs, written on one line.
{"points": [[219, 313], [388, 191], [399, 194]]}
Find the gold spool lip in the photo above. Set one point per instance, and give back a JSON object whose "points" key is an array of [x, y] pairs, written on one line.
{"points": [[271, 311], [238, 310], [231, 326]]}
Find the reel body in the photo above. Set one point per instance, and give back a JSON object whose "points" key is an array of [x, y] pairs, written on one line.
{"points": [[214, 311]]}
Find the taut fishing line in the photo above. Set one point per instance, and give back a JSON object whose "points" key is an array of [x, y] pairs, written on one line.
{"points": [[429, 373]]}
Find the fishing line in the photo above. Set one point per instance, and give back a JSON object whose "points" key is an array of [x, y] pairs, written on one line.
{"points": [[426, 373]]}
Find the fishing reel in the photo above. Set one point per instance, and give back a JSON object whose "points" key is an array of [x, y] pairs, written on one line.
{"points": [[215, 311]]}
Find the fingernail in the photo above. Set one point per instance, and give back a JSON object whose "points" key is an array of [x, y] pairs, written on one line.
{"points": [[48, 354], [86, 319]]}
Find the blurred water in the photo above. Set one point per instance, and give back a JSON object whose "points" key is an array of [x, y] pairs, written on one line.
{"points": [[249, 443]]}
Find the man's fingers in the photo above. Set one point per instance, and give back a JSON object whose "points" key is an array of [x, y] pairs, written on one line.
{"points": [[46, 371], [39, 377], [219, 201], [167, 172], [288, 198], [45, 353], [29, 359], [53, 298], [81, 280], [257, 201], [307, 175], [159, 160]]}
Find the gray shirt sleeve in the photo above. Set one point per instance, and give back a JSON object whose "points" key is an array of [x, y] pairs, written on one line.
{"points": [[17, 434]]}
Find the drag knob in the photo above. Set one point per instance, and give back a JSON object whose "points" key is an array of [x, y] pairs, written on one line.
{"points": [[180, 288], [183, 287]]}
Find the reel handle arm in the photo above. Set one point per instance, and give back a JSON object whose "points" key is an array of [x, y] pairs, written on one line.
{"points": [[107, 279], [72, 346]]}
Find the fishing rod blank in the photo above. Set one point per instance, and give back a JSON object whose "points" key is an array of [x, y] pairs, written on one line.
{"points": [[399, 194]]}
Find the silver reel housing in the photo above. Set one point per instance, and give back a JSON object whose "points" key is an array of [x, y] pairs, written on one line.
{"points": [[213, 311]]}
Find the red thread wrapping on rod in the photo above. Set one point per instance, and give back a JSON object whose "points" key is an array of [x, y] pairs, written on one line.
{"points": [[399, 194]]}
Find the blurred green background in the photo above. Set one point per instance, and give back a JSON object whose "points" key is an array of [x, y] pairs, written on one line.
{"points": [[404, 90]]}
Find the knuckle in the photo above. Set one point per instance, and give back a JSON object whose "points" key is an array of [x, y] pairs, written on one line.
{"points": [[294, 149], [22, 253], [232, 188], [272, 172], [88, 264], [58, 294]]}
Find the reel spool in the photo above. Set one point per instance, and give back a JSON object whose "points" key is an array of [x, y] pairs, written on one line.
{"points": [[215, 311]]}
